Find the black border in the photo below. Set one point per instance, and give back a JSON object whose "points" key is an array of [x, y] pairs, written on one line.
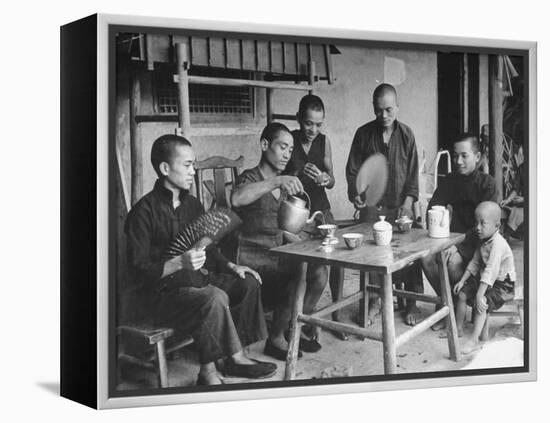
{"points": [[78, 208], [113, 29]]}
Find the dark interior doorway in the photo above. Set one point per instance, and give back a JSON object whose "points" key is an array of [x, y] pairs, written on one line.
{"points": [[458, 96]]}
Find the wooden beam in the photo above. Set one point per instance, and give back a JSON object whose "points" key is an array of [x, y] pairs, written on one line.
{"points": [[328, 61], [149, 52], [465, 97], [447, 297], [298, 292], [338, 305], [156, 118], [341, 327], [388, 326], [193, 79], [311, 74], [364, 278], [422, 326], [182, 58], [136, 157], [279, 116], [125, 193], [408, 294], [269, 104], [495, 121]]}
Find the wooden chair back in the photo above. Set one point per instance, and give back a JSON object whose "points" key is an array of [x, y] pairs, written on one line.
{"points": [[223, 174]]}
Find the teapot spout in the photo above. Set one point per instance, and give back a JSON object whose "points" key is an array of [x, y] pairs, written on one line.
{"points": [[312, 218]]}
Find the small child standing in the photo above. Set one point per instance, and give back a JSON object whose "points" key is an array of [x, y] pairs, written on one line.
{"points": [[489, 279]]}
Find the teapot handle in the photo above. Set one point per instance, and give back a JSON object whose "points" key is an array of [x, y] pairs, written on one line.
{"points": [[308, 200]]}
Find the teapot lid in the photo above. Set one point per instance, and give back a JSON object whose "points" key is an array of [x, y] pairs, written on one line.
{"points": [[382, 225]]}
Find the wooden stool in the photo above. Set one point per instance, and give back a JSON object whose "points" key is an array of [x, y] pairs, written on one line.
{"points": [[517, 302], [153, 360]]}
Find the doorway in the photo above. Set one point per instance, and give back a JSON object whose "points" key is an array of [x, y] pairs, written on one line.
{"points": [[458, 96]]}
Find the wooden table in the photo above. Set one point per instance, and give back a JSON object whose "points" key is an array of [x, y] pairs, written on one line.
{"points": [[404, 249]]}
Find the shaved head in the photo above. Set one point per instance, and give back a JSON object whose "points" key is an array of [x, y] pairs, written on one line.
{"points": [[489, 211], [382, 90]]}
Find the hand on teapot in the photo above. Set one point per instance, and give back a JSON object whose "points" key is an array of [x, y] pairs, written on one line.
{"points": [[290, 184]]}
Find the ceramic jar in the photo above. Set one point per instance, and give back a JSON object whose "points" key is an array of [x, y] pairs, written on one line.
{"points": [[438, 222], [382, 231]]}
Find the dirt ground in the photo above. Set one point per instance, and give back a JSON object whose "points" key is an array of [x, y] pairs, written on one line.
{"points": [[354, 357]]}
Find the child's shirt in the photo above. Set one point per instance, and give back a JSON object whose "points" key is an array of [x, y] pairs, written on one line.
{"points": [[493, 260]]}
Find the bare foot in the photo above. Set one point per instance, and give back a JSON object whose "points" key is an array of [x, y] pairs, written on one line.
{"points": [[439, 325], [209, 378], [241, 358], [460, 333], [279, 342], [374, 310], [412, 315], [471, 346], [341, 336]]}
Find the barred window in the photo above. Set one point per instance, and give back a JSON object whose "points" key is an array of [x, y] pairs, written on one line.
{"points": [[203, 98]]}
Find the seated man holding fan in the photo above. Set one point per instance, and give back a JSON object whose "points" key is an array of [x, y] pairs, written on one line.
{"points": [[222, 311]]}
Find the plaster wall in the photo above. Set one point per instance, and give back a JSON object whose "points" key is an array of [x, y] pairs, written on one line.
{"points": [[348, 105]]}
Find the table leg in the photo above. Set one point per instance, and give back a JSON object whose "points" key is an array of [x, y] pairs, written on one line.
{"points": [[452, 333], [160, 355], [364, 302], [336, 281], [388, 326], [299, 291]]}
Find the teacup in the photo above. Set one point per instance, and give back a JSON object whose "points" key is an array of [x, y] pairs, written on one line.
{"points": [[353, 240], [404, 224], [327, 230]]}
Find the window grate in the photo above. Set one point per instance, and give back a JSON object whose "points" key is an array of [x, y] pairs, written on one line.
{"points": [[203, 98]]}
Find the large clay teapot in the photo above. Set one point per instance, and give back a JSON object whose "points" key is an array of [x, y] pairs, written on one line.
{"points": [[294, 212]]}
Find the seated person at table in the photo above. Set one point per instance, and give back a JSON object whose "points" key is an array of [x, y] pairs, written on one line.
{"points": [[311, 162], [257, 197], [222, 311], [461, 192], [488, 281], [395, 140]]}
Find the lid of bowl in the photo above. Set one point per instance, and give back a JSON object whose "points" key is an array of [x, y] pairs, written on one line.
{"points": [[382, 225]]}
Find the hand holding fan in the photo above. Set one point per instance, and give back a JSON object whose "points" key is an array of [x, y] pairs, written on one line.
{"points": [[208, 228], [372, 179]]}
